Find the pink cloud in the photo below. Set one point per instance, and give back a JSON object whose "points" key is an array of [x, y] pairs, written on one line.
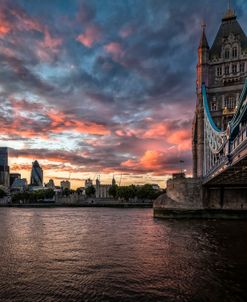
{"points": [[48, 47], [91, 35], [5, 26], [126, 31], [115, 50]]}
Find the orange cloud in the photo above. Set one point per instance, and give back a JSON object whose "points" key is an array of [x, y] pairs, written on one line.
{"points": [[5, 26], [151, 159], [181, 138], [91, 35], [61, 123], [44, 122]]}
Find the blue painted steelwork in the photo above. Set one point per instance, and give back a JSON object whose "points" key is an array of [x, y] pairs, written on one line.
{"points": [[205, 104]]}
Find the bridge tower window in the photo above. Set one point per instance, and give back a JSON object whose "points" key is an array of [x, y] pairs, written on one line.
{"points": [[234, 68], [219, 71], [227, 53], [230, 102], [242, 67], [213, 106], [234, 52], [227, 70]]}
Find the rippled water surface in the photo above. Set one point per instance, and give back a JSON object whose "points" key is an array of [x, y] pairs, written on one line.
{"points": [[94, 254]]}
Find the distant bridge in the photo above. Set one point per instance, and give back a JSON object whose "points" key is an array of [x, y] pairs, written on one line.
{"points": [[225, 152]]}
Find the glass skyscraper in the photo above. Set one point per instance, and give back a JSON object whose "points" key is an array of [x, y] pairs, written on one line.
{"points": [[36, 175], [4, 167]]}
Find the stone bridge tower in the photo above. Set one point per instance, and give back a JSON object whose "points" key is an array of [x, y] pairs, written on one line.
{"points": [[223, 69]]}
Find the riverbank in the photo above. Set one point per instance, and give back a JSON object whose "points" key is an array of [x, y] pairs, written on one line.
{"points": [[85, 205], [224, 214]]}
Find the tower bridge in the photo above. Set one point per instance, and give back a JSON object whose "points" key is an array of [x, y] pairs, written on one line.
{"points": [[220, 122], [219, 132]]}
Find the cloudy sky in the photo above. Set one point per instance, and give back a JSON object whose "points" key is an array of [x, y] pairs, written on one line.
{"points": [[102, 87]]}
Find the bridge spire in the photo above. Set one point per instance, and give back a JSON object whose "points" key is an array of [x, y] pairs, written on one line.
{"points": [[230, 13], [203, 41]]}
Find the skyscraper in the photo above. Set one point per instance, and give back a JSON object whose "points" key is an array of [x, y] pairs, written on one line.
{"points": [[4, 168], [223, 69], [36, 175]]}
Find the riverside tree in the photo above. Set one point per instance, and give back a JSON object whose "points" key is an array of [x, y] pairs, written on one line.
{"points": [[90, 191]]}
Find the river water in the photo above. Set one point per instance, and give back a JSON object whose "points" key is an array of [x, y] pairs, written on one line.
{"points": [[103, 254]]}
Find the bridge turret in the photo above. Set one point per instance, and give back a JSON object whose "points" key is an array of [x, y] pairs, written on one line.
{"points": [[198, 125], [203, 60]]}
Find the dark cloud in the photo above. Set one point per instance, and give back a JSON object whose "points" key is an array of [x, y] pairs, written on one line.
{"points": [[112, 80]]}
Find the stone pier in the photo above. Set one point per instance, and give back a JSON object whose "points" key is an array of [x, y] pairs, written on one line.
{"points": [[188, 198]]}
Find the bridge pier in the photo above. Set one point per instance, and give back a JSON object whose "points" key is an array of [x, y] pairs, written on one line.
{"points": [[225, 197]]}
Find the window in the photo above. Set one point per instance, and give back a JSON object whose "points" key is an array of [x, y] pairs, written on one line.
{"points": [[227, 70], [230, 102], [219, 71], [227, 54], [234, 68], [234, 52], [213, 106], [242, 67]]}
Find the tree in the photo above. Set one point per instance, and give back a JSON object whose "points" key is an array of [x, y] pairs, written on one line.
{"points": [[66, 192], [126, 192], [90, 191], [49, 194], [2, 193], [79, 191], [113, 191], [147, 192]]}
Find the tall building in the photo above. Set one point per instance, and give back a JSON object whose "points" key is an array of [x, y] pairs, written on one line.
{"points": [[88, 183], [65, 184], [4, 168], [50, 184], [36, 175], [223, 69], [13, 177]]}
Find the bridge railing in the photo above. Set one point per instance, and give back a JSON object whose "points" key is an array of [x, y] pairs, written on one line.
{"points": [[239, 139]]}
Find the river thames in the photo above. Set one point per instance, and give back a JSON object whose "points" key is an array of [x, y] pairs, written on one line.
{"points": [[104, 254]]}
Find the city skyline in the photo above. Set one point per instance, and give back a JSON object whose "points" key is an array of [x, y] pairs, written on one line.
{"points": [[102, 88]]}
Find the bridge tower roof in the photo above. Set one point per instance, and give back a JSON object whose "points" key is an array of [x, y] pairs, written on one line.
{"points": [[228, 26]]}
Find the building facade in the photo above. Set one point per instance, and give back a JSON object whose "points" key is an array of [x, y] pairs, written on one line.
{"points": [[4, 167], [13, 177], [36, 175], [50, 184], [223, 70]]}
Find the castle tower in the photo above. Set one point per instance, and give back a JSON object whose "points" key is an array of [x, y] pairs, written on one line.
{"points": [[223, 69]]}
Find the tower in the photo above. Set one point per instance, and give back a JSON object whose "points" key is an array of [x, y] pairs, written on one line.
{"points": [[36, 175], [113, 182], [223, 69], [4, 168]]}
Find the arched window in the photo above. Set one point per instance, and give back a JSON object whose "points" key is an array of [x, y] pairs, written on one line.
{"points": [[242, 67], [227, 53], [227, 70], [234, 68], [219, 71], [234, 52]]}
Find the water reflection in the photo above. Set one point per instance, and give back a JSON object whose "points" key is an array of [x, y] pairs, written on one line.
{"points": [[118, 255]]}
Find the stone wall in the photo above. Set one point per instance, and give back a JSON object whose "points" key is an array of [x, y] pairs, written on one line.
{"points": [[226, 198], [181, 193]]}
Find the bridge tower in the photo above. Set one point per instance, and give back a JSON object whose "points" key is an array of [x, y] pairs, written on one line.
{"points": [[223, 69]]}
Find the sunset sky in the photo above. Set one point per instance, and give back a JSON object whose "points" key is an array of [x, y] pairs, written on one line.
{"points": [[102, 87]]}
